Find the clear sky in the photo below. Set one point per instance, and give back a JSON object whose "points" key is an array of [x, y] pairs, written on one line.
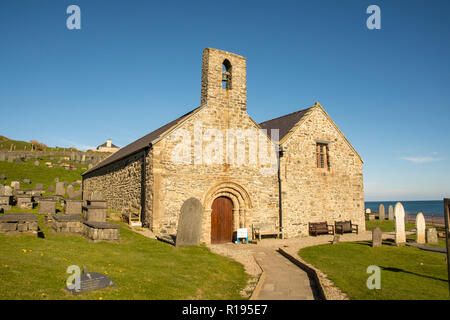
{"points": [[136, 65]]}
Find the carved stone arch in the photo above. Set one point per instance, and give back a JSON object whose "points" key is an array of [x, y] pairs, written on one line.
{"points": [[242, 206]]}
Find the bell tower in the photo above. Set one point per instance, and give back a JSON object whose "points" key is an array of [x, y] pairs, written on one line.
{"points": [[224, 80]]}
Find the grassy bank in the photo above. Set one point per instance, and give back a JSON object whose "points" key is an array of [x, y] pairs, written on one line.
{"points": [[407, 273], [142, 268]]}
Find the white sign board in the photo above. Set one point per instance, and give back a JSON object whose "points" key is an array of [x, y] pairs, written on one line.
{"points": [[242, 233]]}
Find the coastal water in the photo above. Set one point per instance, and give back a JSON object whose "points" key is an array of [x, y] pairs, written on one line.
{"points": [[411, 207]]}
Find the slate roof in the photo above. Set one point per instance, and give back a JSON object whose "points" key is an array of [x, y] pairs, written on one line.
{"points": [[284, 123], [139, 144], [104, 145]]}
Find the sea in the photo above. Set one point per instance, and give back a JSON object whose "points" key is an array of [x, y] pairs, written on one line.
{"points": [[411, 207]]}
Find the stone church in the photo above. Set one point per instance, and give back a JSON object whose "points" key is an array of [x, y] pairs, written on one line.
{"points": [[287, 172]]}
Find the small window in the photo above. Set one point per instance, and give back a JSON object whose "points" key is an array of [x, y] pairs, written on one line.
{"points": [[322, 156]]}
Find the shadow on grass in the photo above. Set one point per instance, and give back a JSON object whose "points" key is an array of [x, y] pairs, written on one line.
{"points": [[368, 243], [409, 272]]}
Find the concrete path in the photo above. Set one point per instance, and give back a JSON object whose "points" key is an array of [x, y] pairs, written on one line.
{"points": [[283, 279]]}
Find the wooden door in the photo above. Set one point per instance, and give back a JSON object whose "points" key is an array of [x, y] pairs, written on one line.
{"points": [[222, 220]]}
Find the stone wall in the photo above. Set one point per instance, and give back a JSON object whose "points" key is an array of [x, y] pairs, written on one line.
{"points": [[311, 194], [119, 183]]}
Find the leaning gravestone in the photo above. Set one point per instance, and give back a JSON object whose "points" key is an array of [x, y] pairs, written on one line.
{"points": [[60, 189], [189, 223], [399, 212], [420, 228], [336, 239], [377, 237], [432, 235], [381, 212], [391, 212]]}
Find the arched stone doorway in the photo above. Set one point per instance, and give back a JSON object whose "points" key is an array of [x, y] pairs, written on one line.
{"points": [[222, 220], [241, 207]]}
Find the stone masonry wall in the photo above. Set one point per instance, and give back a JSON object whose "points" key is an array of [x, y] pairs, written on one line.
{"points": [[119, 183], [310, 194]]}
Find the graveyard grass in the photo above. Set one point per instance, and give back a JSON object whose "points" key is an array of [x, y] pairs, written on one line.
{"points": [[407, 273], [39, 174], [387, 225], [33, 267]]}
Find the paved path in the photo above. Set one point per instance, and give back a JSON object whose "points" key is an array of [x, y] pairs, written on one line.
{"points": [[283, 279]]}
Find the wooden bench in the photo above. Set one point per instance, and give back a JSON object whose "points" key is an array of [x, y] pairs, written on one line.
{"points": [[342, 227], [132, 217], [316, 228], [266, 229]]}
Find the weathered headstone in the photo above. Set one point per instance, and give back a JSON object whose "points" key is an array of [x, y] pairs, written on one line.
{"points": [[8, 191], [15, 185], [399, 212], [26, 180], [51, 189], [377, 237], [420, 228], [70, 191], [189, 223], [391, 212], [96, 195], [60, 189], [432, 235], [36, 163], [39, 186], [381, 212], [2, 157], [336, 239]]}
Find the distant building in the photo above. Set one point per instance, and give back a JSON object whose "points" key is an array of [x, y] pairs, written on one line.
{"points": [[108, 147]]}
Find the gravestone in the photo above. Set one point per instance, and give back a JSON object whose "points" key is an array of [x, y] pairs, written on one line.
{"points": [[399, 212], [377, 237], [73, 207], [368, 210], [60, 189], [15, 185], [90, 166], [189, 223], [56, 180], [391, 212], [26, 180], [51, 189], [8, 191], [2, 190], [2, 157], [336, 239], [96, 195], [39, 186], [89, 281], [381, 212], [432, 235], [420, 228], [36, 163], [70, 191], [47, 206]]}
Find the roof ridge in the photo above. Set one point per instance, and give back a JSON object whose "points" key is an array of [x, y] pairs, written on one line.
{"points": [[286, 115]]}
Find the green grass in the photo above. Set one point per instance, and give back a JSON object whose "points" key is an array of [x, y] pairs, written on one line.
{"points": [[141, 268], [39, 174], [407, 273], [387, 225]]}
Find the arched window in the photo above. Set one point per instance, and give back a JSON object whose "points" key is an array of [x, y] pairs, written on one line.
{"points": [[226, 74]]}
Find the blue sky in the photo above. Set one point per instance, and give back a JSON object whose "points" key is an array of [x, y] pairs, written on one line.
{"points": [[135, 65]]}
